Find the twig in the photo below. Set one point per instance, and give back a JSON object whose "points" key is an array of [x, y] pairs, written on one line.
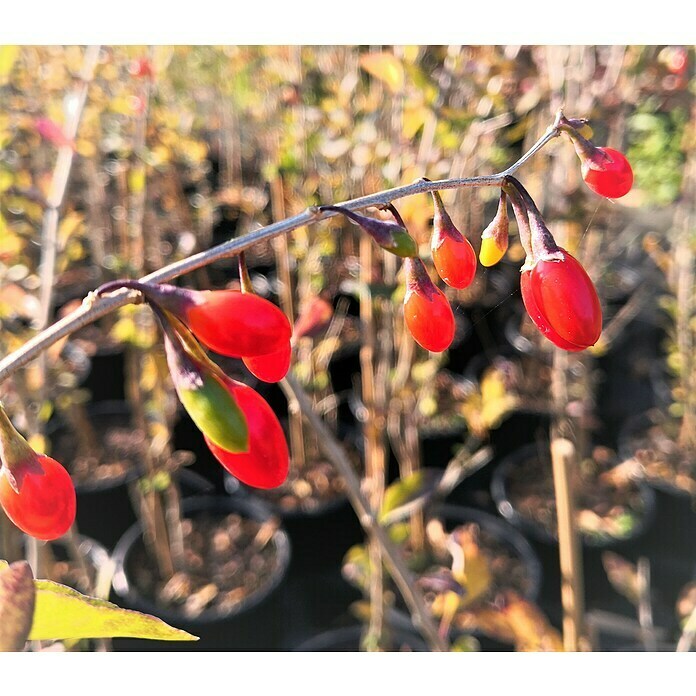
{"points": [[91, 311], [395, 563]]}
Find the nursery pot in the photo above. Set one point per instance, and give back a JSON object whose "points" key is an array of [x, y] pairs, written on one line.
{"points": [[500, 495], [255, 623], [348, 639]]}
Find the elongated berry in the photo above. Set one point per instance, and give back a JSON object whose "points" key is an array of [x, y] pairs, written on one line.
{"points": [[266, 463], [272, 367], [211, 406], [606, 171], [494, 239], [427, 311], [391, 236], [36, 492], [314, 317], [562, 301], [610, 175], [230, 322], [453, 256]]}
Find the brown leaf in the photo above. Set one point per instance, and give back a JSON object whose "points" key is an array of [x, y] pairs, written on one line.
{"points": [[17, 597]]}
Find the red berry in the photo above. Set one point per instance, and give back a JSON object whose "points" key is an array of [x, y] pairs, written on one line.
{"points": [[141, 67], [562, 301], [453, 256], [454, 259], [44, 505], [427, 311], [315, 315], [266, 463], [615, 177], [238, 324], [272, 367]]}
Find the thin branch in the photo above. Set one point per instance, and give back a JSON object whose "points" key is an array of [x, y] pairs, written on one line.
{"points": [[397, 567], [93, 310]]}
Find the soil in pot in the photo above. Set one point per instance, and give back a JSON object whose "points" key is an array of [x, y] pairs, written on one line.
{"points": [[234, 556], [652, 439], [467, 553], [611, 507], [103, 453]]}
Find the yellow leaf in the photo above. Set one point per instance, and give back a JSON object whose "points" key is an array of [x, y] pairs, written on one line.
{"points": [[8, 56], [63, 613], [136, 179], [69, 225], [85, 148], [413, 119], [385, 67]]}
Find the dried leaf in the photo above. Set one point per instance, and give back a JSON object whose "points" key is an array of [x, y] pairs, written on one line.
{"points": [[17, 597], [623, 575]]}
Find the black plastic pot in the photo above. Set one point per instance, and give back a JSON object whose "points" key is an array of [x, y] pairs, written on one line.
{"points": [[633, 436], [348, 639], [255, 624], [499, 494], [456, 515]]}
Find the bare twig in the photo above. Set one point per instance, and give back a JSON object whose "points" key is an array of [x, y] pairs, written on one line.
{"points": [[93, 310]]}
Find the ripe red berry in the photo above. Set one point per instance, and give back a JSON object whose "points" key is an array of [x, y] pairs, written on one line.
{"points": [[610, 176], [230, 322], [454, 259], [272, 367], [427, 311], [562, 301], [266, 463], [44, 503], [453, 256]]}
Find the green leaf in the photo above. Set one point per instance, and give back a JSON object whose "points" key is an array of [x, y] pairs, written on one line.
{"points": [[62, 613], [405, 495], [17, 598]]}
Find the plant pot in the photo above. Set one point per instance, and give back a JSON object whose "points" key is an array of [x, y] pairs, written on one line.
{"points": [[643, 513], [253, 623], [505, 544], [635, 435], [506, 535], [348, 639]]}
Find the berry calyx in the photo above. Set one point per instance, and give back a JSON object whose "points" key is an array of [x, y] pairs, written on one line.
{"points": [[36, 492], [229, 322], [427, 311], [562, 301], [453, 256], [266, 463], [494, 239], [391, 236]]}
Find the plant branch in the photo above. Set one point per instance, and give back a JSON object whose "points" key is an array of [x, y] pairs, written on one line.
{"points": [[395, 563], [95, 309]]}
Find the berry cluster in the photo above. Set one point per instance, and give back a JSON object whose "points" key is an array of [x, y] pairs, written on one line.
{"points": [[556, 290], [238, 425]]}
